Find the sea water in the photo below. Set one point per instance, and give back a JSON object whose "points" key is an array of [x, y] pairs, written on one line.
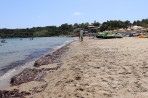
{"points": [[19, 53]]}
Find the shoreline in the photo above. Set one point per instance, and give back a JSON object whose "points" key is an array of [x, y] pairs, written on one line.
{"points": [[35, 74], [35, 71], [29, 64], [109, 68]]}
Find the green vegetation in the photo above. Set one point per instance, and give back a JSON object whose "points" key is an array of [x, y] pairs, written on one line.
{"points": [[69, 29], [116, 24], [143, 23], [42, 33]]}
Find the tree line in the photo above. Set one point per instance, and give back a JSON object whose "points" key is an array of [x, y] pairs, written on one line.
{"points": [[69, 29]]}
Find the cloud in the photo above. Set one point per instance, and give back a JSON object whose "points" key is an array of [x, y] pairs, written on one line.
{"points": [[76, 13]]}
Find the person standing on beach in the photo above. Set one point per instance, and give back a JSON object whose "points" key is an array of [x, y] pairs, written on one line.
{"points": [[81, 34]]}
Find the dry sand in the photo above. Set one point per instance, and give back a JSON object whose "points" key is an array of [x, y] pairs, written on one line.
{"points": [[111, 68]]}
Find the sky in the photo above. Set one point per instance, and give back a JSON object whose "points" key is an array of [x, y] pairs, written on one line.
{"points": [[34, 13]]}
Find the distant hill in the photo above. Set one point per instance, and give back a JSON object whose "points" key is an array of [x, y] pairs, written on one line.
{"points": [[70, 29]]}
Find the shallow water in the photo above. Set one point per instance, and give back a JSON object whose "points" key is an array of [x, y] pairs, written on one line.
{"points": [[19, 52]]}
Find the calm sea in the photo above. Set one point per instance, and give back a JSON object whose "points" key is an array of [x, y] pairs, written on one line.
{"points": [[20, 53]]}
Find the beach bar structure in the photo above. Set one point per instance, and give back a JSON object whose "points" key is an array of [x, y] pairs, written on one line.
{"points": [[93, 29]]}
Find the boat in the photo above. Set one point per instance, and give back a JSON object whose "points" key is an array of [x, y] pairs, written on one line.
{"points": [[143, 36], [3, 41], [108, 36]]}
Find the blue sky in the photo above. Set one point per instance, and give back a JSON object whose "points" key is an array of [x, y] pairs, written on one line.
{"points": [[32, 13]]}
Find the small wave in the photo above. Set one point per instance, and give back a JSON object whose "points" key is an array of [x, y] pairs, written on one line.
{"points": [[57, 47], [8, 74], [62, 45], [5, 78], [67, 42]]}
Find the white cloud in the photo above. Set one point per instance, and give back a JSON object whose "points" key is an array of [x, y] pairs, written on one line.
{"points": [[76, 13]]}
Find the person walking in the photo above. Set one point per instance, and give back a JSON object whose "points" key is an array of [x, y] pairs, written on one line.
{"points": [[81, 34]]}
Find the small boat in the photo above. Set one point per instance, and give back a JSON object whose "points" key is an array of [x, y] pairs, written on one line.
{"points": [[143, 36], [107, 36], [3, 41]]}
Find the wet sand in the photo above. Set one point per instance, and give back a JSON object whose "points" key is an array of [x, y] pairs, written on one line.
{"points": [[111, 68]]}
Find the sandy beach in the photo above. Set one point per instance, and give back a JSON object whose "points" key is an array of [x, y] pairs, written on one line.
{"points": [[104, 68]]}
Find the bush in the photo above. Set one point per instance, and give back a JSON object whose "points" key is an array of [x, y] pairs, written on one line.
{"points": [[42, 33]]}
